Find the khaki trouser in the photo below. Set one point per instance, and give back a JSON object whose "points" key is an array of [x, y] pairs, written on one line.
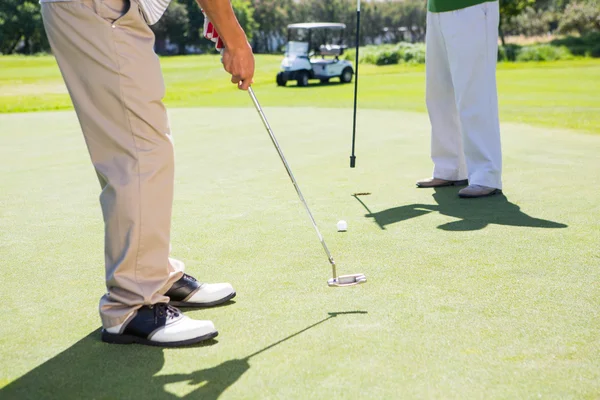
{"points": [[105, 53]]}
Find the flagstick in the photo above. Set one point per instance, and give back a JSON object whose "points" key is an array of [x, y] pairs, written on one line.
{"points": [[353, 157]]}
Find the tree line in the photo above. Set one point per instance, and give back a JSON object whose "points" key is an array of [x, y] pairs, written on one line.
{"points": [[265, 21]]}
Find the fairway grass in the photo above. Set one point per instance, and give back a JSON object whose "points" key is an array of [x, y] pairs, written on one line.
{"points": [[488, 298], [560, 94]]}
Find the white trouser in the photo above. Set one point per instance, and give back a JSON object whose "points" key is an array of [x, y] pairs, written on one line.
{"points": [[462, 101]]}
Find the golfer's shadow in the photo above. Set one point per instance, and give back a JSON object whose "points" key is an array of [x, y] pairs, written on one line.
{"points": [[472, 214], [92, 369]]}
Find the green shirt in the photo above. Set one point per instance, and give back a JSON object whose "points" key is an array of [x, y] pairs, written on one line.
{"points": [[437, 6]]}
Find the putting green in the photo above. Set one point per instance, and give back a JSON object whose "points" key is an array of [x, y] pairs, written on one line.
{"points": [[486, 298]]}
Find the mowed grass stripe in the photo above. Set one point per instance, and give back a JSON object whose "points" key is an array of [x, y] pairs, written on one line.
{"points": [[561, 94]]}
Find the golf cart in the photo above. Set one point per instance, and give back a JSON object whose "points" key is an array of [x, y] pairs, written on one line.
{"points": [[308, 41]]}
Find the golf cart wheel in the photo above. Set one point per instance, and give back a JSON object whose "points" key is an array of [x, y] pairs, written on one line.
{"points": [[346, 76], [302, 78], [281, 81]]}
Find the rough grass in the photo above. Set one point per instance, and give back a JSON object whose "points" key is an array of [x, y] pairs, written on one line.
{"points": [[492, 298], [552, 94]]}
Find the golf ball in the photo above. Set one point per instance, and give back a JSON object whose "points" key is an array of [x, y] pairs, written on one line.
{"points": [[342, 226]]}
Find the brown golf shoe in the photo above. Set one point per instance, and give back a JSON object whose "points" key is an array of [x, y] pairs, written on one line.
{"points": [[437, 182], [474, 191]]}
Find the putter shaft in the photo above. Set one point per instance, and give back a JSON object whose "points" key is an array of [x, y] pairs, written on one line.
{"points": [[289, 171]]}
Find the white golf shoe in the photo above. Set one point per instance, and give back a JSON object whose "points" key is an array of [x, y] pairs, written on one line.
{"points": [[160, 325], [188, 292]]}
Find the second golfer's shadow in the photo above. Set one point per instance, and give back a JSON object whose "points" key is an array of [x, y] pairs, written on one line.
{"points": [[93, 369], [472, 214]]}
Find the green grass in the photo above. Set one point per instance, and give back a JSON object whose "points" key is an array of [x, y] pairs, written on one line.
{"points": [[555, 94], [490, 298]]}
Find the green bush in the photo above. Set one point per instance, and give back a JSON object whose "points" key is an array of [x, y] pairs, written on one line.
{"points": [[586, 45], [414, 53], [589, 39], [544, 52], [387, 57], [592, 38], [388, 54], [369, 58], [579, 51], [570, 41], [508, 52]]}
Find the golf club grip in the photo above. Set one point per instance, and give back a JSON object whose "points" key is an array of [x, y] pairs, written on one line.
{"points": [[291, 175]]}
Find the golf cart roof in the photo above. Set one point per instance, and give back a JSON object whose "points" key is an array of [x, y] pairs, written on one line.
{"points": [[317, 25]]}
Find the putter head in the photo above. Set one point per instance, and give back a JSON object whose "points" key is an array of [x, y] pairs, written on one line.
{"points": [[347, 280]]}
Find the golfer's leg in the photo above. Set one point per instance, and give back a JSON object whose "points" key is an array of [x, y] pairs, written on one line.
{"points": [[105, 53], [446, 140], [472, 42]]}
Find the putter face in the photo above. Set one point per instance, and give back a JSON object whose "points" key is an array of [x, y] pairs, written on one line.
{"points": [[347, 280]]}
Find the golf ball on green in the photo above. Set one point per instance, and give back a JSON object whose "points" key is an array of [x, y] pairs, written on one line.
{"points": [[342, 226]]}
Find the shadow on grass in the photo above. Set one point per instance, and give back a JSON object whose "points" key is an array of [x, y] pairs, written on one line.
{"points": [[92, 369], [473, 214]]}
